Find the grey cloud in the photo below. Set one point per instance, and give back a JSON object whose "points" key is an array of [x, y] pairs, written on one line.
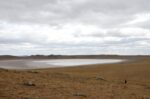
{"points": [[57, 11], [111, 16]]}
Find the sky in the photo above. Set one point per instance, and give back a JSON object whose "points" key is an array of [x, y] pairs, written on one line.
{"points": [[73, 27]]}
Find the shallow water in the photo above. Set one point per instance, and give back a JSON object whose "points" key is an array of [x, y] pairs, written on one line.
{"points": [[53, 63]]}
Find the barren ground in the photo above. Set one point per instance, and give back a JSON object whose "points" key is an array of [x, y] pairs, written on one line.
{"points": [[86, 82]]}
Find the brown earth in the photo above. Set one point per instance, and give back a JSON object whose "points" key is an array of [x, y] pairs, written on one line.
{"points": [[129, 80]]}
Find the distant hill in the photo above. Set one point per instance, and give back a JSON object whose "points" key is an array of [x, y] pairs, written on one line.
{"points": [[73, 56]]}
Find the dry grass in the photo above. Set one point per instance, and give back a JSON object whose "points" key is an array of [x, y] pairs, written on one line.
{"points": [[87, 82]]}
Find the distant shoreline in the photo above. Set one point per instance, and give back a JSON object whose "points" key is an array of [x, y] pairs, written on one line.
{"points": [[6, 57], [23, 60]]}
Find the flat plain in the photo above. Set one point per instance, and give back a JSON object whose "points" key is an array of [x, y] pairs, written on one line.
{"points": [[127, 80]]}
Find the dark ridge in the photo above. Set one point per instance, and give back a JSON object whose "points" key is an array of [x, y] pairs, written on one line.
{"points": [[8, 57]]}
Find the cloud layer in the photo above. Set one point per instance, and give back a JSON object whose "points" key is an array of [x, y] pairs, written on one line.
{"points": [[74, 27]]}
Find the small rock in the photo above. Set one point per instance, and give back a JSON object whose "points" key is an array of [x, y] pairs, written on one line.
{"points": [[125, 81], [33, 72], [80, 94], [99, 78], [29, 83], [25, 97]]}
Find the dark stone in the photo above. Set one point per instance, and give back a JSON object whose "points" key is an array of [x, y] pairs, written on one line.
{"points": [[29, 83], [125, 81]]}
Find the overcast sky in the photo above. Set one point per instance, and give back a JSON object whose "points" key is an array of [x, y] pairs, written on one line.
{"points": [[74, 27]]}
